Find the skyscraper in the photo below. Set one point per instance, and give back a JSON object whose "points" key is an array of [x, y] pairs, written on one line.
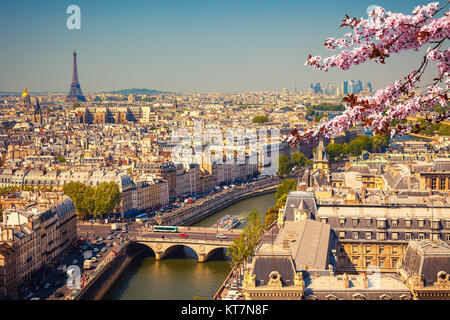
{"points": [[344, 88], [75, 93]]}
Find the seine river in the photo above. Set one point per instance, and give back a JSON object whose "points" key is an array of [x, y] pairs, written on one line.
{"points": [[179, 276]]}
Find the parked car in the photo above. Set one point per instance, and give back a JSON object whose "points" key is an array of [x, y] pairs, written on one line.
{"points": [[184, 235]]}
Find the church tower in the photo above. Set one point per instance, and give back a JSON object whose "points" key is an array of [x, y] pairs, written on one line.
{"points": [[320, 161], [37, 113]]}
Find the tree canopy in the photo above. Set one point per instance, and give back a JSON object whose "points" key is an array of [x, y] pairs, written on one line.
{"points": [[97, 201], [260, 119], [243, 247]]}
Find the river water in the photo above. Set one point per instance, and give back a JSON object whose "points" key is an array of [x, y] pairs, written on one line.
{"points": [[179, 276]]}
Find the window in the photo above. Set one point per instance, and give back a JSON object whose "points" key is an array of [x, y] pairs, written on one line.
{"points": [[381, 236], [368, 235], [394, 250], [436, 236], [368, 262], [447, 224], [324, 220], [394, 235], [367, 249], [433, 183], [368, 222], [355, 222], [355, 249], [447, 237], [355, 261], [381, 250], [435, 224], [381, 223], [421, 236], [408, 223], [342, 222], [355, 235], [394, 222], [394, 263], [442, 184], [381, 262], [408, 236], [342, 235], [421, 223]]}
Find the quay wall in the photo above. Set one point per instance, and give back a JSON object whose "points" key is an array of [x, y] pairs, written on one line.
{"points": [[99, 286], [226, 204]]}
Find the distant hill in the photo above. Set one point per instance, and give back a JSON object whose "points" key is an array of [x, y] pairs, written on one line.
{"points": [[138, 91]]}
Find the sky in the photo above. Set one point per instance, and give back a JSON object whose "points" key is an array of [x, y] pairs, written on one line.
{"points": [[183, 46]]}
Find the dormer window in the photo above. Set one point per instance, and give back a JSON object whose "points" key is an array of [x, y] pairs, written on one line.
{"points": [[355, 222], [323, 219], [394, 222], [342, 222], [368, 222], [381, 223], [435, 224], [408, 223], [421, 223]]}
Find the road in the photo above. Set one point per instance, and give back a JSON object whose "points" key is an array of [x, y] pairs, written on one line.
{"points": [[57, 282]]}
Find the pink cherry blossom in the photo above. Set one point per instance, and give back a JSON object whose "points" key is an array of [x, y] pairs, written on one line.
{"points": [[385, 33]]}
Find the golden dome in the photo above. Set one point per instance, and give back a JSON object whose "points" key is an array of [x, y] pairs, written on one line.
{"points": [[25, 93]]}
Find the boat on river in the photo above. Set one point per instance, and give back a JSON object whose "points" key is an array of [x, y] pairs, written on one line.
{"points": [[227, 222]]}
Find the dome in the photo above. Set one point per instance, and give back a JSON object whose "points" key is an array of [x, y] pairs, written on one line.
{"points": [[25, 93]]}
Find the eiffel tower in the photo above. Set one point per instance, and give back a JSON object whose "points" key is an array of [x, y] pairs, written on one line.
{"points": [[75, 93]]}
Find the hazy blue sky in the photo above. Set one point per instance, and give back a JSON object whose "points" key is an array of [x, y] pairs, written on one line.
{"points": [[190, 45]]}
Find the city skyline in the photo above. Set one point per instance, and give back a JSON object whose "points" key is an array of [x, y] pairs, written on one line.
{"points": [[195, 47]]}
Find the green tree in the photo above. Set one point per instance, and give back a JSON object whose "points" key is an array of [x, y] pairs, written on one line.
{"points": [[359, 144], [318, 118], [89, 201], [61, 159], [260, 119], [285, 186], [380, 142], [299, 159], [106, 198], [284, 165], [254, 229], [244, 246], [238, 252]]}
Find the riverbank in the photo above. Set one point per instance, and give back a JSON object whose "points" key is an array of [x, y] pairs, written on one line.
{"points": [[228, 203], [204, 207], [98, 288], [179, 276]]}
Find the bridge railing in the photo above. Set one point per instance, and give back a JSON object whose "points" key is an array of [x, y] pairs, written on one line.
{"points": [[210, 230], [182, 240]]}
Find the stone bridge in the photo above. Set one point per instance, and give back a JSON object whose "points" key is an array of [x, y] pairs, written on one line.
{"points": [[203, 248]]}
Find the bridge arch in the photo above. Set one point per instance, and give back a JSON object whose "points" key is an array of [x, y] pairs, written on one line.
{"points": [[213, 251], [162, 249]]}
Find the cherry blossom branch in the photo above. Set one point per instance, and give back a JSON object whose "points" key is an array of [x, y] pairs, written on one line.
{"points": [[375, 39]]}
